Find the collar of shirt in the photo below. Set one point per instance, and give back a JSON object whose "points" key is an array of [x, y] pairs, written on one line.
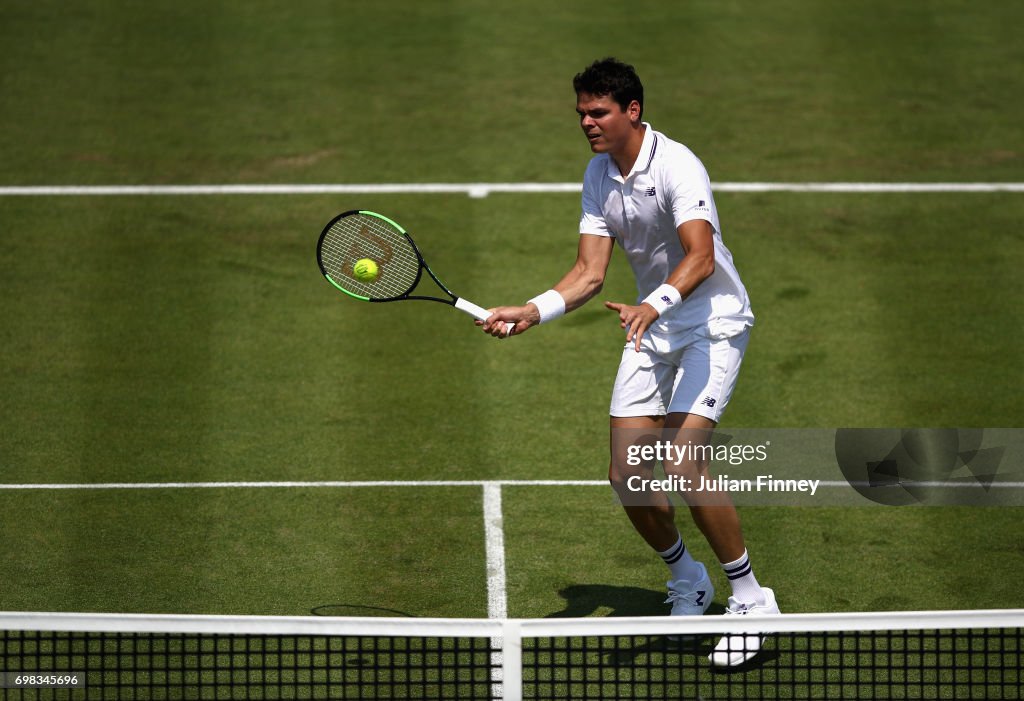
{"points": [[643, 159]]}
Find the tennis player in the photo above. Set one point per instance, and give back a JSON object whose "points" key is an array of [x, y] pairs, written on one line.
{"points": [[685, 335]]}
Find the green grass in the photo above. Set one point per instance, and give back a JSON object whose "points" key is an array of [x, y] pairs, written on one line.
{"points": [[217, 551], [398, 91], [192, 339]]}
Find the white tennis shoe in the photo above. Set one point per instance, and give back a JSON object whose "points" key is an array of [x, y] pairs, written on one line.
{"points": [[691, 598], [736, 648]]}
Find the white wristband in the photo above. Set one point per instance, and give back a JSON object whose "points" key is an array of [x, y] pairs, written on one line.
{"points": [[551, 305], [665, 297]]}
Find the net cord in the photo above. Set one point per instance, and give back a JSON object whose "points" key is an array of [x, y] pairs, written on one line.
{"points": [[529, 628]]}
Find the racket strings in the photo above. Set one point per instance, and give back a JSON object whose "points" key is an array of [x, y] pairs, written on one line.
{"points": [[360, 236]]}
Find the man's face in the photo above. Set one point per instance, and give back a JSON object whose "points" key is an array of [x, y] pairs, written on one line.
{"points": [[605, 124]]}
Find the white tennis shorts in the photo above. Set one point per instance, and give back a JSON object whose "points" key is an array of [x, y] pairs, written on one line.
{"points": [[679, 373]]}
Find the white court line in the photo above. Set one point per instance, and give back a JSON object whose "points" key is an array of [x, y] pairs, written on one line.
{"points": [[497, 598], [308, 485], [438, 483], [474, 189], [494, 538]]}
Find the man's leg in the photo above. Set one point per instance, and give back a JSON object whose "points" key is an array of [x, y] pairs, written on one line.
{"points": [[650, 512], [712, 512], [653, 515], [715, 515]]}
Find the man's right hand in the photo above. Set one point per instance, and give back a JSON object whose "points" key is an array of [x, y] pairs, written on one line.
{"points": [[497, 324]]}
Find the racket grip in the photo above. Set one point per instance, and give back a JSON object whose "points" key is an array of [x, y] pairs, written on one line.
{"points": [[479, 313], [472, 309]]}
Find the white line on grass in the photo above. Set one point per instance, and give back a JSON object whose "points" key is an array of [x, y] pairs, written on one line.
{"points": [[473, 189], [308, 485], [494, 538], [868, 187], [840, 484], [497, 599]]}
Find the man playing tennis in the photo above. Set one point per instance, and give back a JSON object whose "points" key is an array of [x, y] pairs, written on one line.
{"points": [[685, 336]]}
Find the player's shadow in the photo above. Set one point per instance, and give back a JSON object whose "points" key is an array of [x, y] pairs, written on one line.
{"points": [[586, 599]]}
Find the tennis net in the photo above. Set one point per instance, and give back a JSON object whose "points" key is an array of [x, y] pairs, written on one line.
{"points": [[928, 655]]}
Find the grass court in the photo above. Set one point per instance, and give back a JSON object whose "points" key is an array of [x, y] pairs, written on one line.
{"points": [[151, 339]]}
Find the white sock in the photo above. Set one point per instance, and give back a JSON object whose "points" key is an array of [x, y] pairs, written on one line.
{"points": [[680, 563], [741, 578]]}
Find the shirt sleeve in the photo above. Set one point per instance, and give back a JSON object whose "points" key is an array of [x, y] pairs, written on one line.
{"points": [[592, 219], [690, 190]]}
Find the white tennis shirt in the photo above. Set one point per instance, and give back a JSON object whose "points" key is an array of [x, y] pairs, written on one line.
{"points": [[643, 210]]}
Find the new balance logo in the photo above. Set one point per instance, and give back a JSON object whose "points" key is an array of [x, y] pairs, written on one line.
{"points": [[708, 402], [650, 192], [667, 300]]}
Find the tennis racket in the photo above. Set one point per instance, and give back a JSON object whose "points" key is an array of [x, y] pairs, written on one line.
{"points": [[357, 235]]}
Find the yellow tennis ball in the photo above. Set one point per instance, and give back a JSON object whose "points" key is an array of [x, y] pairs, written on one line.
{"points": [[365, 270]]}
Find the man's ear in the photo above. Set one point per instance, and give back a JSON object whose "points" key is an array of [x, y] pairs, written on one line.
{"points": [[634, 111]]}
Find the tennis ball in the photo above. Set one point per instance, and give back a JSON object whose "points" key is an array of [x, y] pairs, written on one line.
{"points": [[365, 270]]}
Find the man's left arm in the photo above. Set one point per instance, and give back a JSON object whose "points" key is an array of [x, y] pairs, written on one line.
{"points": [[697, 239]]}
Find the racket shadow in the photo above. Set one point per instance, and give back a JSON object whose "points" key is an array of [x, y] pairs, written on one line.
{"points": [[358, 610]]}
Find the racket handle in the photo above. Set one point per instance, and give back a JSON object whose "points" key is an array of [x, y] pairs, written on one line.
{"points": [[478, 312], [472, 309]]}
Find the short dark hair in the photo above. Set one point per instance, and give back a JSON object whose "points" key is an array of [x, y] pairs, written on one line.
{"points": [[609, 76]]}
